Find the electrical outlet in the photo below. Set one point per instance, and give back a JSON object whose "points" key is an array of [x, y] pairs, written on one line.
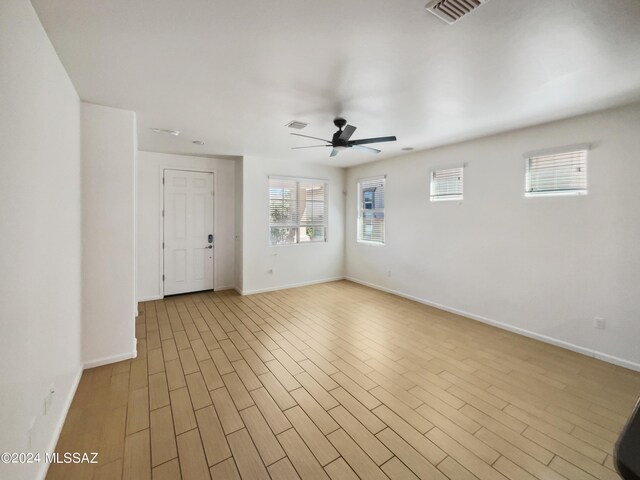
{"points": [[599, 323]]}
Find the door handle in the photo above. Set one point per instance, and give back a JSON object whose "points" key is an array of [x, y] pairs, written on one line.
{"points": [[209, 246]]}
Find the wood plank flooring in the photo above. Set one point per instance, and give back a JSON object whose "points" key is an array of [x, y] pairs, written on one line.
{"points": [[339, 381]]}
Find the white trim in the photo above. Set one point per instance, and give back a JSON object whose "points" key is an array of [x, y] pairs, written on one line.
{"points": [[111, 359], [291, 285], [373, 177], [44, 466], [286, 177], [557, 150], [150, 298], [557, 193], [505, 326], [621, 362], [369, 243], [442, 198]]}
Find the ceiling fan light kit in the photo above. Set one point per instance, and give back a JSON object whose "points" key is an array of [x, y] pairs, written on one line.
{"points": [[341, 140]]}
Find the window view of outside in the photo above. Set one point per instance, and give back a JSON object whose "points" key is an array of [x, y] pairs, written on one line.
{"points": [[371, 211], [297, 211]]}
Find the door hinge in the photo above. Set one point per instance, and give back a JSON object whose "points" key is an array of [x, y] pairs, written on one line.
{"points": [[162, 244], [163, 213], [163, 180], [163, 277]]}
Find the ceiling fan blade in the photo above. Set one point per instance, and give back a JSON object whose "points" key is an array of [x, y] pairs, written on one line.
{"points": [[347, 132], [373, 140], [368, 149], [334, 152], [311, 146], [315, 138]]}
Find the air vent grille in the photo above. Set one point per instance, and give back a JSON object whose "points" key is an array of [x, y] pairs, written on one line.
{"points": [[297, 125], [453, 10]]}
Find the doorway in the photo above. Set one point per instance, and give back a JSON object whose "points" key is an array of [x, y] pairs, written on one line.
{"points": [[188, 236]]}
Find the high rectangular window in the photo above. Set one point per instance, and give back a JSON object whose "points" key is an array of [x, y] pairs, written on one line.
{"points": [[297, 211], [371, 210], [446, 184], [562, 173]]}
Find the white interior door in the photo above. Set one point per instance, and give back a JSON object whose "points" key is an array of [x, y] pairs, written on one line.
{"points": [[188, 231]]}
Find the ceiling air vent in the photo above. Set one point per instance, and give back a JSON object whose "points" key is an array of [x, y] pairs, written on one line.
{"points": [[453, 10], [296, 124]]}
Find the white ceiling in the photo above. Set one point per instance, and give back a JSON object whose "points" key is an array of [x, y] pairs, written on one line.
{"points": [[233, 73]]}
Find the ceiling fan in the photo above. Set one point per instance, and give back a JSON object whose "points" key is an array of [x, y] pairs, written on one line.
{"points": [[340, 140]]}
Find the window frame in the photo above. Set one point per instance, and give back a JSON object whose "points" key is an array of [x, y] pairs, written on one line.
{"points": [[359, 210], [298, 224], [549, 152], [446, 198]]}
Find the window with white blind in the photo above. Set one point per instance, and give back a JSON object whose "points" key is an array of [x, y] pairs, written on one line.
{"points": [[297, 211], [560, 173], [446, 184], [371, 210]]}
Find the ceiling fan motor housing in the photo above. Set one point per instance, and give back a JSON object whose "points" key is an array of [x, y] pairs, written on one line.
{"points": [[339, 122], [336, 141]]}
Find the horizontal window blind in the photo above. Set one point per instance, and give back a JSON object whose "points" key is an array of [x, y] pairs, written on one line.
{"points": [[371, 217], [283, 200], [312, 202], [446, 184], [562, 173], [297, 211]]}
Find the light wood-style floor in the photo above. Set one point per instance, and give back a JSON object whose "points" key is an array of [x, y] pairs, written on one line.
{"points": [[341, 381]]}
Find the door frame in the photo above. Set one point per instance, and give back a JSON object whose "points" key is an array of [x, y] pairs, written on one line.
{"points": [[161, 222]]}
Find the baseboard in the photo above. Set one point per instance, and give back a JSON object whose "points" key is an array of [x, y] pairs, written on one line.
{"points": [[112, 359], [220, 289], [44, 468], [621, 362], [505, 326], [291, 285], [158, 297], [149, 299]]}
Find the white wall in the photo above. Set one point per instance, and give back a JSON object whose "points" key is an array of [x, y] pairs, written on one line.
{"points": [[291, 264], [547, 266], [108, 236], [239, 212], [149, 218], [40, 284]]}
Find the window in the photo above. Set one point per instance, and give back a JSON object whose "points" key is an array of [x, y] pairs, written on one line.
{"points": [[559, 173], [371, 210], [446, 184], [297, 211]]}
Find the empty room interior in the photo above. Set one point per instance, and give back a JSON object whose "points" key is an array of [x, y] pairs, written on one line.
{"points": [[320, 240]]}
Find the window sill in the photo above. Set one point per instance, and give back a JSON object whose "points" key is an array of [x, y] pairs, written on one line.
{"points": [[573, 193], [371, 244], [324, 242]]}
